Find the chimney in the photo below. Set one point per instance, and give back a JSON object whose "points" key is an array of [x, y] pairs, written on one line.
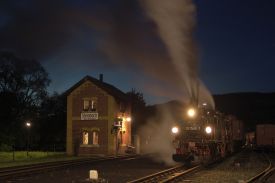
{"points": [[101, 77]]}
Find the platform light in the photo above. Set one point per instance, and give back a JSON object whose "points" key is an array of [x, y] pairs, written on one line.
{"points": [[208, 129], [128, 119], [175, 130], [191, 112], [28, 124]]}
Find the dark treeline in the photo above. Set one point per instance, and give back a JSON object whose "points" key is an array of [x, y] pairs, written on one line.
{"points": [[251, 107], [24, 98], [138, 109]]}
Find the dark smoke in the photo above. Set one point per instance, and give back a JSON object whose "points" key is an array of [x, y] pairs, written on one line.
{"points": [[103, 34]]}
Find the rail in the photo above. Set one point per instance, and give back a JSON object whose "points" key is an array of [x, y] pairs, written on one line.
{"points": [[12, 172], [181, 174], [264, 173], [166, 175]]}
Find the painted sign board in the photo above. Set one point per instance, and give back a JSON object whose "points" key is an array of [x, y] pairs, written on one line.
{"points": [[89, 116]]}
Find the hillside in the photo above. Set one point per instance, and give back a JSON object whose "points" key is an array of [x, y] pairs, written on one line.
{"points": [[252, 108]]}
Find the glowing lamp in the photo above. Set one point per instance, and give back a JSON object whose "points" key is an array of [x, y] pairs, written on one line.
{"points": [[208, 129], [175, 130], [128, 119], [28, 124], [191, 112]]}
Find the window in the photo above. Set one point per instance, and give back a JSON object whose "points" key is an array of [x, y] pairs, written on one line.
{"points": [[93, 105], [95, 138], [90, 104], [86, 105], [85, 137]]}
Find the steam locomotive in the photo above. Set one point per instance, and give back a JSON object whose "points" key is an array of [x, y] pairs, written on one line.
{"points": [[206, 135]]}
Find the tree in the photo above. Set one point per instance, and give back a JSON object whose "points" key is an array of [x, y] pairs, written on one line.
{"points": [[52, 120], [138, 109], [23, 86]]}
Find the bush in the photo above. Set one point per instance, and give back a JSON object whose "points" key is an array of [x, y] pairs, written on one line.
{"points": [[5, 147]]}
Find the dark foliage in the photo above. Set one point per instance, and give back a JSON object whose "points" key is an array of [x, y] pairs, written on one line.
{"points": [[22, 89], [138, 109], [52, 123]]}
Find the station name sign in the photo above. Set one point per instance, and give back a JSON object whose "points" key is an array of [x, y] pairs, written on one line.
{"points": [[89, 116]]}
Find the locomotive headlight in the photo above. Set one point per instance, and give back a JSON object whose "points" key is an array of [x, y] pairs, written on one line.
{"points": [[175, 130], [191, 112], [208, 129]]}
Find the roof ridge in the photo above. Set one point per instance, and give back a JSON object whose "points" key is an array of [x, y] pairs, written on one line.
{"points": [[112, 90]]}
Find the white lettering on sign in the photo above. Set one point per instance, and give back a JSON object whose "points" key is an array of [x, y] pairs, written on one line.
{"points": [[192, 128], [89, 115]]}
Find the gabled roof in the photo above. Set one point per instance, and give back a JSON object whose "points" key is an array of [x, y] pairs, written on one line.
{"points": [[110, 89]]}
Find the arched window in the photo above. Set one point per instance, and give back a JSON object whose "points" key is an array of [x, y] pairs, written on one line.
{"points": [[85, 138]]}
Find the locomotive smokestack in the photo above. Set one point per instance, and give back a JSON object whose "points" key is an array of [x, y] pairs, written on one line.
{"points": [[101, 77]]}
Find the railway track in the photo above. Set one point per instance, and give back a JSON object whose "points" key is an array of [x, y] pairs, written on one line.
{"points": [[175, 174], [263, 175], [169, 175], [13, 172]]}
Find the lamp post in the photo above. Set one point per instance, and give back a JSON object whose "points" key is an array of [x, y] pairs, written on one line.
{"points": [[28, 125]]}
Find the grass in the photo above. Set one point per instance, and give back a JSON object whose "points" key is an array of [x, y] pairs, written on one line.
{"points": [[21, 158]]}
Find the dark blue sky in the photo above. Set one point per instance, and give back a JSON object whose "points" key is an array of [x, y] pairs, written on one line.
{"points": [[235, 38], [237, 44]]}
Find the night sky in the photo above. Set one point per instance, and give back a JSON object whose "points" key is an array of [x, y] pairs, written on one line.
{"points": [[235, 44]]}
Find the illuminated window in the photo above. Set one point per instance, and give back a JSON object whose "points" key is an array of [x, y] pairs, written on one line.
{"points": [[86, 105], [95, 138], [90, 104], [93, 105], [85, 137]]}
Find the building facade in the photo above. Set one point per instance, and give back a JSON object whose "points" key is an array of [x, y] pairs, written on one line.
{"points": [[98, 118]]}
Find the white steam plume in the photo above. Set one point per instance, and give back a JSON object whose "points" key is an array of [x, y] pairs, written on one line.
{"points": [[175, 20], [157, 138]]}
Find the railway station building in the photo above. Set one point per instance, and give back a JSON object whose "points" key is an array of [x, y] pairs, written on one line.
{"points": [[98, 118]]}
